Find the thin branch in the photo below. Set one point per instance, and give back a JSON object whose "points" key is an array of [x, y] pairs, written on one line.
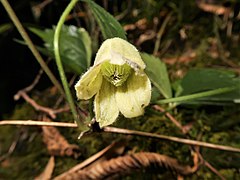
{"points": [[125, 131], [170, 138], [49, 111], [34, 104], [23, 93], [160, 33], [170, 117], [75, 15], [221, 49], [10, 150], [184, 131], [205, 162], [35, 81], [37, 123], [213, 169], [42, 5]]}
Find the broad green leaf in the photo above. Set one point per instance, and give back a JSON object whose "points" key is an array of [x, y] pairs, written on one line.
{"points": [[199, 80], [75, 47], [110, 27], [157, 72]]}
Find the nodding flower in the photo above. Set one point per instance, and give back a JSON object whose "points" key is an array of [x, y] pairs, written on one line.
{"points": [[118, 82]]}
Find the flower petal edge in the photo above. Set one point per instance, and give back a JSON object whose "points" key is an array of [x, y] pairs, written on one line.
{"points": [[89, 84], [105, 107], [134, 96]]}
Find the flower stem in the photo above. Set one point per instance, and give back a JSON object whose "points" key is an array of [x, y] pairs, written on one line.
{"points": [[30, 44], [197, 95], [59, 62]]}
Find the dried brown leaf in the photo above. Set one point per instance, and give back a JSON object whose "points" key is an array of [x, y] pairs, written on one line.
{"points": [[47, 173], [57, 145], [113, 150], [127, 164]]}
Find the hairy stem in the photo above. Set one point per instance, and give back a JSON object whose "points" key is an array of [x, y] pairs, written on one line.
{"points": [[59, 62]]}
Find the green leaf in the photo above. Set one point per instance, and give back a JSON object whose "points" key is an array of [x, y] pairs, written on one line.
{"points": [[75, 47], [110, 27], [5, 27], [199, 80], [157, 72], [84, 36]]}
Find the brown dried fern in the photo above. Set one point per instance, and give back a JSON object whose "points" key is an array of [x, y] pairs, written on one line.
{"points": [[126, 164], [56, 143]]}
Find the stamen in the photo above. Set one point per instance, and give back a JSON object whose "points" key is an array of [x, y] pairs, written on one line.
{"points": [[115, 74]]}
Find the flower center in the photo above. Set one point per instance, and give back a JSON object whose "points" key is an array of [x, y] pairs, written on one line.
{"points": [[115, 74]]}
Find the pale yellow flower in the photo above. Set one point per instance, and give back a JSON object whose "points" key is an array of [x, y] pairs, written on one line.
{"points": [[118, 81]]}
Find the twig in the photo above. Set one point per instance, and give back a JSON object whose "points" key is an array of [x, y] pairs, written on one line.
{"points": [[171, 138], [37, 9], [205, 162], [35, 81], [38, 107], [23, 93], [17, 137], [160, 33], [42, 4], [184, 130], [10, 150], [37, 123], [75, 15], [221, 50], [214, 170], [170, 117], [148, 35], [60, 110], [125, 131], [125, 12]]}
